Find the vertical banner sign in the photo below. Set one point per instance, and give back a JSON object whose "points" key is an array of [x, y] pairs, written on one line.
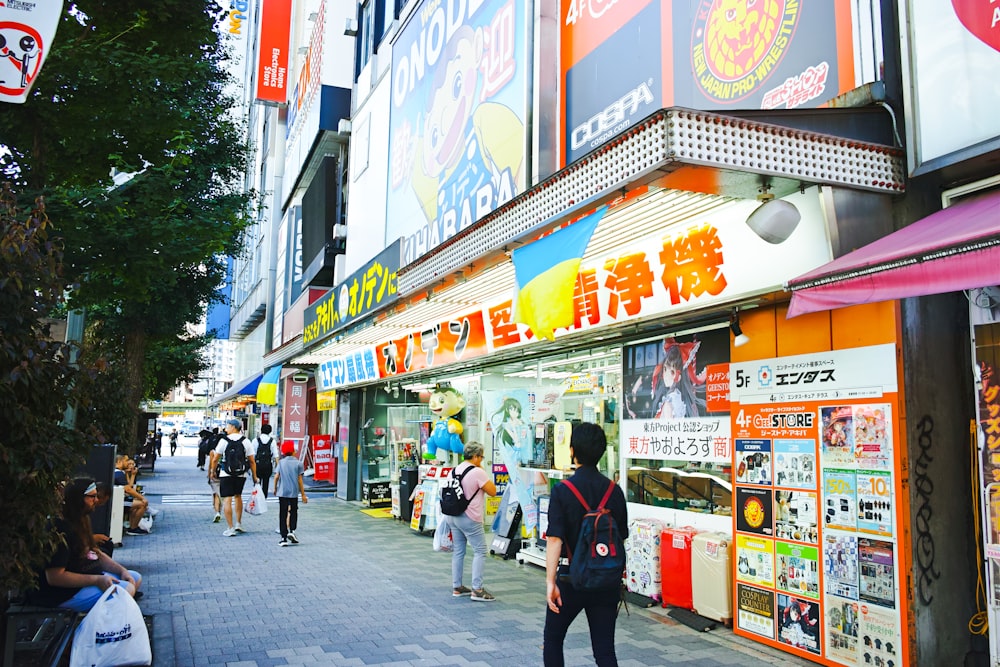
{"points": [[26, 33], [322, 457], [818, 550], [272, 56], [293, 411], [457, 119], [773, 54]]}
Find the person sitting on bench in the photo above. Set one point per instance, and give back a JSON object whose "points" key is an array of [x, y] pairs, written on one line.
{"points": [[78, 573], [135, 503]]}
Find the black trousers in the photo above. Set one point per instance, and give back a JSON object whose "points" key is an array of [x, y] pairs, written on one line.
{"points": [[264, 472], [601, 608], [288, 515]]}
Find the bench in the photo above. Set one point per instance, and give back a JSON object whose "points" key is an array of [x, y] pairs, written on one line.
{"points": [[38, 635]]}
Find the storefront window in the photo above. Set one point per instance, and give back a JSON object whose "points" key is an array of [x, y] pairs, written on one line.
{"points": [[675, 429]]}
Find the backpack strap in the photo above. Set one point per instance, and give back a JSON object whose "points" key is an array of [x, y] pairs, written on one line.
{"points": [[586, 506], [579, 496], [461, 478]]}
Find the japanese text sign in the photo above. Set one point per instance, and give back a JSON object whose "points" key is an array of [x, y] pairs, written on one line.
{"points": [[294, 416]]}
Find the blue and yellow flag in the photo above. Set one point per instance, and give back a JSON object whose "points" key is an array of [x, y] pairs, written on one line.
{"points": [[545, 276], [267, 390]]}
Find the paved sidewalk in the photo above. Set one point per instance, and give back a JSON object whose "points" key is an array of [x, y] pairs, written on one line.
{"points": [[358, 590]]}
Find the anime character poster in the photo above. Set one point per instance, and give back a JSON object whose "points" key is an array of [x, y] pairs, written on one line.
{"points": [[457, 119], [665, 413], [798, 623], [837, 431], [509, 427]]}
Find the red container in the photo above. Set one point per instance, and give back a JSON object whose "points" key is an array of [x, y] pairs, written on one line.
{"points": [[675, 566]]}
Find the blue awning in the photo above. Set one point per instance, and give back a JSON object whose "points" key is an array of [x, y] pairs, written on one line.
{"points": [[245, 387]]}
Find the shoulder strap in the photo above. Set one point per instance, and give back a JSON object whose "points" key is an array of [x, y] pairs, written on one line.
{"points": [[579, 497], [607, 495]]}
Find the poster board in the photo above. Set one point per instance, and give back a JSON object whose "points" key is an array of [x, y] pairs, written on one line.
{"points": [[818, 545]]}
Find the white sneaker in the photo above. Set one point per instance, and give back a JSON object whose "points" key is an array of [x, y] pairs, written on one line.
{"points": [[229, 532], [239, 528], [292, 538], [218, 518]]}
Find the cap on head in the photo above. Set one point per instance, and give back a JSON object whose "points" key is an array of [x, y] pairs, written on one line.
{"points": [[235, 423], [287, 448]]}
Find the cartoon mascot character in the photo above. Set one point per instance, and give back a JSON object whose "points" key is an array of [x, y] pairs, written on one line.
{"points": [[445, 403]]}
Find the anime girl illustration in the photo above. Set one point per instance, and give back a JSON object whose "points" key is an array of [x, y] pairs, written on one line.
{"points": [[510, 430], [671, 390]]}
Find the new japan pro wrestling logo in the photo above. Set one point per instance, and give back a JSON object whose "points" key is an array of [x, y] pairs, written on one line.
{"points": [[737, 44]]}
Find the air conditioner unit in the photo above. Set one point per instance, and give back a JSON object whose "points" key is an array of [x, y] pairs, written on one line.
{"points": [[351, 29]]}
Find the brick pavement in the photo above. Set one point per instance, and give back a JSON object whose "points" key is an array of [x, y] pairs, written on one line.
{"points": [[359, 590]]}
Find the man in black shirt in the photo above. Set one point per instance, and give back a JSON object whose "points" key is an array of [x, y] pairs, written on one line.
{"points": [[587, 445]]}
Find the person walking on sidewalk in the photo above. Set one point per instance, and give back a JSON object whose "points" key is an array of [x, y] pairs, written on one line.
{"points": [[266, 457], [235, 454], [586, 446], [467, 529], [287, 486]]}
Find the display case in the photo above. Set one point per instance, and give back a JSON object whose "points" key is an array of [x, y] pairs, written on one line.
{"points": [[407, 429], [375, 456]]}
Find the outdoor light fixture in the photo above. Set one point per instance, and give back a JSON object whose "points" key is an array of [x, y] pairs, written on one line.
{"points": [[775, 219], [739, 338]]}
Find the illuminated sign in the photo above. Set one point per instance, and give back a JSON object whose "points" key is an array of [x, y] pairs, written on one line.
{"points": [[370, 288]]}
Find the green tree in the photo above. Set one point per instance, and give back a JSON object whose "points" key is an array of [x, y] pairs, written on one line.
{"points": [[140, 88], [36, 384]]}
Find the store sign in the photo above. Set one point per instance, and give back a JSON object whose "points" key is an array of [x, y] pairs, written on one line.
{"points": [[26, 33], [294, 410], [699, 54], [323, 460], [358, 366], [457, 136], [817, 485], [308, 82], [370, 288], [326, 400], [272, 53], [438, 345]]}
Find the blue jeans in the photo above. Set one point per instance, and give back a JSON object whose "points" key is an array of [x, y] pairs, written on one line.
{"points": [[602, 611], [87, 597], [466, 531]]}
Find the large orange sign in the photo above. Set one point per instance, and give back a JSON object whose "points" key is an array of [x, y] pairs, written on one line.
{"points": [[272, 56], [443, 343]]}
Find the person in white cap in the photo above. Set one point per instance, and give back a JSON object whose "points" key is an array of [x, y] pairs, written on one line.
{"points": [[237, 455]]}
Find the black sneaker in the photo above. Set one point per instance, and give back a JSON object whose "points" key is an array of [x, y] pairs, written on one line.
{"points": [[292, 538], [136, 531], [283, 542]]}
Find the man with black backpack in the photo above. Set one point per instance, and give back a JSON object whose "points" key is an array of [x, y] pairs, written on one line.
{"points": [[265, 456], [584, 551], [236, 455]]}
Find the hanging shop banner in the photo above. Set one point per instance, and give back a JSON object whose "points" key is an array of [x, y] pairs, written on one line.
{"points": [[665, 415], [700, 54], [294, 409], [444, 343], [817, 486], [26, 33], [323, 461], [361, 365], [371, 287], [714, 258], [457, 137], [272, 53]]}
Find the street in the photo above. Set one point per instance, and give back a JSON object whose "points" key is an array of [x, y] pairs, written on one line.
{"points": [[358, 590]]}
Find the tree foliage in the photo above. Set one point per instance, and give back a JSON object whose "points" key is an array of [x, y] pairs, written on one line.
{"points": [[36, 385], [140, 88]]}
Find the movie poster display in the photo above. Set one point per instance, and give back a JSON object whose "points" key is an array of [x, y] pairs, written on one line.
{"points": [[827, 421]]}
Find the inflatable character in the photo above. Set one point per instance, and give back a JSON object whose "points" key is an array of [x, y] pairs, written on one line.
{"points": [[445, 403]]}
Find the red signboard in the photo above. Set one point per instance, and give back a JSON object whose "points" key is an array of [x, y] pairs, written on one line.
{"points": [[323, 461], [294, 411], [435, 346], [272, 56]]}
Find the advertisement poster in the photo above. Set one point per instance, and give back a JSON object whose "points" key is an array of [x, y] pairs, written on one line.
{"points": [[840, 564], [877, 564], [457, 119], [753, 461], [795, 463], [795, 516], [798, 569], [754, 510], [513, 440], [755, 611], [665, 414], [755, 560], [875, 506], [873, 436], [839, 488], [879, 637], [798, 623], [842, 621], [833, 410], [699, 54]]}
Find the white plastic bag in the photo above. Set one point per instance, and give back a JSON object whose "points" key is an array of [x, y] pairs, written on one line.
{"points": [[112, 633], [442, 536], [257, 505], [146, 524]]}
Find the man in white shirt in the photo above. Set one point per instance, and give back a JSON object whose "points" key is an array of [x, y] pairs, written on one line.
{"points": [[232, 473]]}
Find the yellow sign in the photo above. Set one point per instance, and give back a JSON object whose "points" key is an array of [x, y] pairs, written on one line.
{"points": [[326, 400]]}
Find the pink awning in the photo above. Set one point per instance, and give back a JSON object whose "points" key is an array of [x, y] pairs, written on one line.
{"points": [[957, 248]]}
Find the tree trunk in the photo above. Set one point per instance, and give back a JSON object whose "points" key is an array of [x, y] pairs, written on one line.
{"points": [[136, 341]]}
